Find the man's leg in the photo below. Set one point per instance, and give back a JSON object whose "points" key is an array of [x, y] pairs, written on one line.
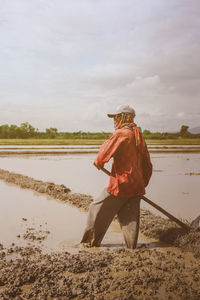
{"points": [[101, 214], [129, 217]]}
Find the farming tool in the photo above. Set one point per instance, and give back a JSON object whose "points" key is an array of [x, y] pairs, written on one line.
{"points": [[194, 225]]}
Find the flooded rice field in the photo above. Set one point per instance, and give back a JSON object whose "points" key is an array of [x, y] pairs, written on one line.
{"points": [[39, 230], [32, 217], [174, 184], [28, 217]]}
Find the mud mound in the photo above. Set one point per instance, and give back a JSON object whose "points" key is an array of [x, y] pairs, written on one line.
{"points": [[57, 191], [167, 231], [118, 274]]}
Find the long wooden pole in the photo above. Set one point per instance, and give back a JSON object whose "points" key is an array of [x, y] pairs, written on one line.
{"points": [[179, 222]]}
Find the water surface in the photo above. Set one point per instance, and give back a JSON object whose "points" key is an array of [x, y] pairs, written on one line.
{"points": [[23, 211], [169, 187]]}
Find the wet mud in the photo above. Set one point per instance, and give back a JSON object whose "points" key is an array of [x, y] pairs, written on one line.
{"points": [[95, 274], [143, 273]]}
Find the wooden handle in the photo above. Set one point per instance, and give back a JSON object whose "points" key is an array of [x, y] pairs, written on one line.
{"points": [[183, 225], [179, 222], [105, 171]]}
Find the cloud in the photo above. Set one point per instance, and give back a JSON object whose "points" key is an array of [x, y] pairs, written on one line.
{"points": [[180, 115], [86, 57]]}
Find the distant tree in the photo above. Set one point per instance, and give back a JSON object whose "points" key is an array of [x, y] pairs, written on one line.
{"points": [[4, 131], [184, 131], [51, 132], [27, 130], [156, 135], [14, 131], [146, 132]]}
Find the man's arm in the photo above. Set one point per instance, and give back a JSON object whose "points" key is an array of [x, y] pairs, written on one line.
{"points": [[108, 149]]}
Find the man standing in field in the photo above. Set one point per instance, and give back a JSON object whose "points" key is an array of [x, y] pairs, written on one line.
{"points": [[131, 172]]}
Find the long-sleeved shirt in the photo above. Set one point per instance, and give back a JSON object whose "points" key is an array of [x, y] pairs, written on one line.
{"points": [[131, 168]]}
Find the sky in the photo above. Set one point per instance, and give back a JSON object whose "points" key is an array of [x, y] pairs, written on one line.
{"points": [[67, 63]]}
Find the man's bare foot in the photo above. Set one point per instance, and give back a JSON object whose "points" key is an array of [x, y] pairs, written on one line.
{"points": [[82, 245]]}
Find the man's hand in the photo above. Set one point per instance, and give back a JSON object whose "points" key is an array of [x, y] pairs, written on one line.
{"points": [[96, 166], [102, 169]]}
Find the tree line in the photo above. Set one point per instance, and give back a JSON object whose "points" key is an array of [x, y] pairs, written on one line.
{"points": [[26, 130]]}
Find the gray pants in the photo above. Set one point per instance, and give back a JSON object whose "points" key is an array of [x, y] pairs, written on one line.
{"points": [[101, 214]]}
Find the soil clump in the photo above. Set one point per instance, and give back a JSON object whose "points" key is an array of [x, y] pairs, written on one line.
{"points": [[96, 274]]}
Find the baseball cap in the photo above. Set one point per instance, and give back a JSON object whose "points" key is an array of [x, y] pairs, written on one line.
{"points": [[122, 109]]}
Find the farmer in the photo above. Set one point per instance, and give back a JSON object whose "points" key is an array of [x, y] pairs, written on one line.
{"points": [[131, 171]]}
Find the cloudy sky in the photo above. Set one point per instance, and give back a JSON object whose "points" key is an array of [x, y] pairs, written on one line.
{"points": [[66, 63]]}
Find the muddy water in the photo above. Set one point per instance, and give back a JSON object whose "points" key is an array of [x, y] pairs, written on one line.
{"points": [[27, 218], [170, 186], [22, 211]]}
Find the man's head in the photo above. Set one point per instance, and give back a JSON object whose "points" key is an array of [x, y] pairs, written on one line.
{"points": [[122, 114], [122, 109]]}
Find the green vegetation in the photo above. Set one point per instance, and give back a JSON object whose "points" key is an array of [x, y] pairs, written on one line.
{"points": [[27, 131], [56, 141], [182, 134], [27, 134]]}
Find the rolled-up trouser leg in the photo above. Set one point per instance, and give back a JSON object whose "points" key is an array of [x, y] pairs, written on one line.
{"points": [[129, 217], [101, 214]]}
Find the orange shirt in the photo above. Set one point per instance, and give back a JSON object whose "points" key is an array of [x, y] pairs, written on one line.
{"points": [[131, 168]]}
